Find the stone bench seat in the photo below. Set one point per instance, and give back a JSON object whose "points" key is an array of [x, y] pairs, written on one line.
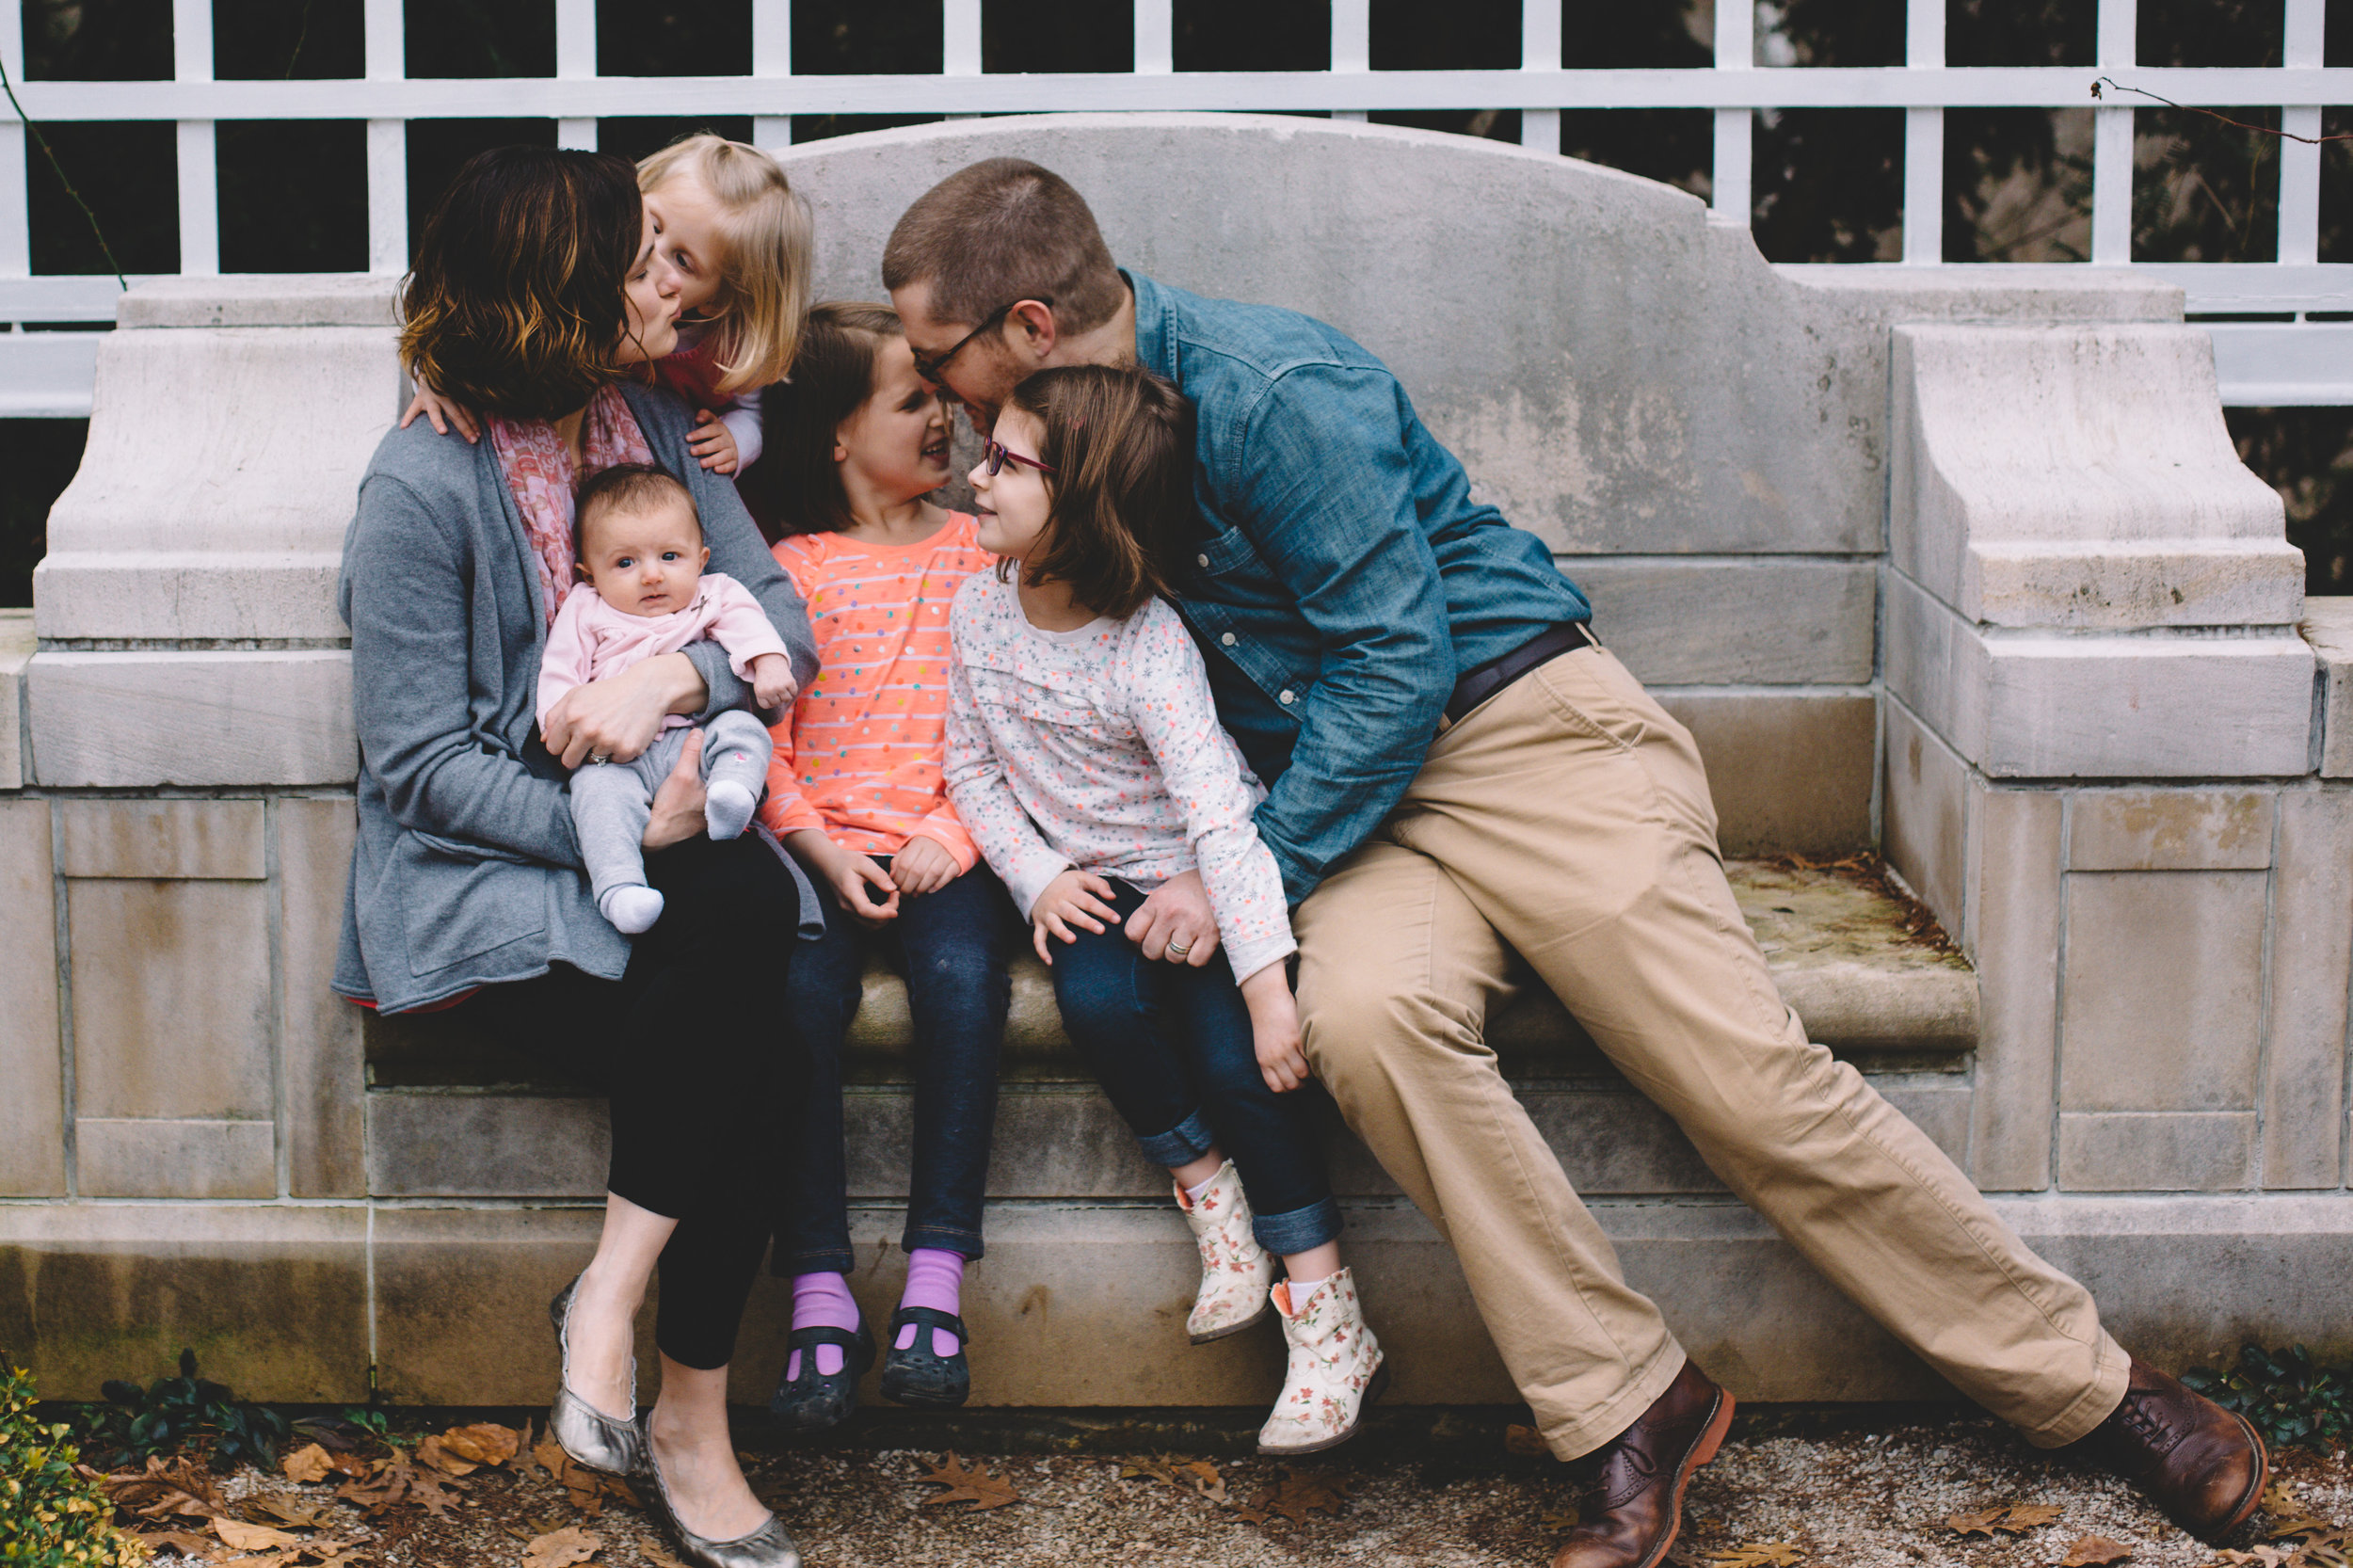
{"points": [[451, 1113]]}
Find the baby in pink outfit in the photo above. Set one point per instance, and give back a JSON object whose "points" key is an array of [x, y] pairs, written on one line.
{"points": [[640, 546]]}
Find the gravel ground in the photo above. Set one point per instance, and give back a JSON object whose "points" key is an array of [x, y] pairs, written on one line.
{"points": [[1845, 1489]]}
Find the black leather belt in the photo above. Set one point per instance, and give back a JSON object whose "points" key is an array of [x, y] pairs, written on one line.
{"points": [[1496, 674]]}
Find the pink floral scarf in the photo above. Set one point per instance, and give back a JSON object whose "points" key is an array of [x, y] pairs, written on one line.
{"points": [[538, 470]]}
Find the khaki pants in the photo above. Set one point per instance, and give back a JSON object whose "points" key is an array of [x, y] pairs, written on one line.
{"points": [[1568, 819]]}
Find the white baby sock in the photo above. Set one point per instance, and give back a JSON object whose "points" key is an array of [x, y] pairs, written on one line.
{"points": [[631, 908], [728, 808]]}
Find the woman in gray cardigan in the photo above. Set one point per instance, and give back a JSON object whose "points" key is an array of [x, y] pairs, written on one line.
{"points": [[538, 295]]}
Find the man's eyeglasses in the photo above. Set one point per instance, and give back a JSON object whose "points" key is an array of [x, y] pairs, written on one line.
{"points": [[930, 366], [995, 454]]}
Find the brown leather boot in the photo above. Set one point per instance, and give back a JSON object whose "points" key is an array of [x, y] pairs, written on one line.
{"points": [[2204, 1465], [1634, 1507]]}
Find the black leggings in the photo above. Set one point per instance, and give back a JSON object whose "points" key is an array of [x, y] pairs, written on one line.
{"points": [[693, 1049]]}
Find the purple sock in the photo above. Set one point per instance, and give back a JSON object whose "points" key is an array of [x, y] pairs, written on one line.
{"points": [[822, 1301], [934, 1279]]}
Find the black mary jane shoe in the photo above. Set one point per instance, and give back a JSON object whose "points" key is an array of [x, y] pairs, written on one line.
{"points": [[815, 1401], [918, 1375]]}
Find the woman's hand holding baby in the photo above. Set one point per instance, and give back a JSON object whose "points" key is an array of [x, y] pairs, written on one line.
{"points": [[1274, 1027], [923, 865], [617, 718], [713, 442], [773, 685], [677, 806], [1075, 898]]}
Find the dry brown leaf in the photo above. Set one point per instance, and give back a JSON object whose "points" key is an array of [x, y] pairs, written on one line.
{"points": [[253, 1538], [1984, 1524], [2093, 1550], [1762, 1553], [295, 1513], [655, 1553], [1299, 1494], [482, 1442], [306, 1464], [163, 1491], [1202, 1478], [384, 1483], [562, 1548], [433, 1451], [549, 1456], [1561, 1519], [974, 1485], [433, 1492], [182, 1541], [1525, 1441], [1153, 1469], [2010, 1519], [2026, 1516]]}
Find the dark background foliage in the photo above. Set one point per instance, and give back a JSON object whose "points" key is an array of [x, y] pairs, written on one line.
{"points": [[1828, 183]]}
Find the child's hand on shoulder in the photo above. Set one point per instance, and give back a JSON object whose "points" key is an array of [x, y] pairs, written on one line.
{"points": [[1274, 1027], [864, 887], [442, 413], [1075, 898], [713, 442], [773, 685], [923, 865]]}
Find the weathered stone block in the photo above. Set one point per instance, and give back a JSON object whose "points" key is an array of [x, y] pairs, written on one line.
{"points": [[2030, 704], [171, 998], [2015, 932], [2164, 1000], [325, 1077], [1926, 807], [2157, 1152], [2311, 954], [2079, 476], [134, 720], [32, 1090], [273, 1301], [180, 839], [2170, 830], [17, 642], [438, 1144], [116, 1158], [1764, 620], [1791, 774], [2327, 625]]}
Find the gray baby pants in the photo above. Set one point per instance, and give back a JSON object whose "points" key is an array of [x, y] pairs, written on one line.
{"points": [[612, 802]]}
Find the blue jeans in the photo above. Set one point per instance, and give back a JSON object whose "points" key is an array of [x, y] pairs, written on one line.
{"points": [[952, 947], [1172, 1046]]}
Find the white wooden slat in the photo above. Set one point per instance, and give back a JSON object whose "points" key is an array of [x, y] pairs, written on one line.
{"points": [[49, 375], [1729, 192], [1540, 49], [2283, 364], [1154, 37], [387, 40], [575, 61], [959, 37], [2299, 162], [199, 199], [578, 133], [772, 59], [192, 41], [16, 241], [387, 196], [1924, 140], [1352, 52], [62, 297], [2115, 45]]}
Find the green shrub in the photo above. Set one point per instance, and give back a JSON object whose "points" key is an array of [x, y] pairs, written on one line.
{"points": [[52, 1513], [135, 1422], [2290, 1400]]}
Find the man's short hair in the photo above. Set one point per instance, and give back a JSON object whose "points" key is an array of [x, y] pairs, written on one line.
{"points": [[632, 489], [1000, 230]]}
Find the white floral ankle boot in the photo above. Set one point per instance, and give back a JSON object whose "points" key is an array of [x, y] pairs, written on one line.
{"points": [[1236, 1272], [1336, 1368]]}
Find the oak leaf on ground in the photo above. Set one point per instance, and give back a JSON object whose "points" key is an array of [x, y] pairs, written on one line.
{"points": [[2010, 1518], [434, 1452], [306, 1464], [1299, 1494], [1762, 1553], [253, 1538], [383, 1484], [2094, 1550], [562, 1548], [433, 1492], [973, 1485], [162, 1491], [482, 1442], [183, 1542], [655, 1553], [1525, 1441], [295, 1512]]}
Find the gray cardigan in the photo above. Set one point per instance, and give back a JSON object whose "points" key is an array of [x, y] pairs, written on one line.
{"points": [[465, 872]]}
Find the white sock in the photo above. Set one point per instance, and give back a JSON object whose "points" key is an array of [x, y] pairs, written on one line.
{"points": [[1193, 1194], [728, 808], [1302, 1289], [631, 907]]}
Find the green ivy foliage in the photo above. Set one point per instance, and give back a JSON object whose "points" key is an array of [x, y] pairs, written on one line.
{"points": [[135, 1422], [51, 1513], [2286, 1395]]}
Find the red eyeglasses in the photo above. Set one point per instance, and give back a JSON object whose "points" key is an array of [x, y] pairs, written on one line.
{"points": [[996, 454]]}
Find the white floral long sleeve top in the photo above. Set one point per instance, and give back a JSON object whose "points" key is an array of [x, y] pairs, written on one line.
{"points": [[1100, 749]]}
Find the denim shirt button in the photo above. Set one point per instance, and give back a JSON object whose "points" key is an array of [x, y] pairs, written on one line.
{"points": [[1203, 560], [1286, 698], [1227, 639]]}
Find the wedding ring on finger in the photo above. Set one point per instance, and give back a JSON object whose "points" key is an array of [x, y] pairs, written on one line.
{"points": [[1178, 949], [599, 757]]}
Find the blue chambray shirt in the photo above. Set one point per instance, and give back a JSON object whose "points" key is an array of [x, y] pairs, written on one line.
{"points": [[1343, 577]]}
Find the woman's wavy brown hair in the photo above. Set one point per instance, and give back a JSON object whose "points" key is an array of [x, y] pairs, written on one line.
{"points": [[515, 302], [1120, 442]]}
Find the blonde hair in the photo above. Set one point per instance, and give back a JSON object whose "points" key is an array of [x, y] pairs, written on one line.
{"points": [[764, 277]]}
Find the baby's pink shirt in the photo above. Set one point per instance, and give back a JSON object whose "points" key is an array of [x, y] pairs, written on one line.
{"points": [[591, 640]]}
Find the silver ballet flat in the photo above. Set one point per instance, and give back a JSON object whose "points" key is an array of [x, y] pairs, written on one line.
{"points": [[588, 1434], [769, 1546]]}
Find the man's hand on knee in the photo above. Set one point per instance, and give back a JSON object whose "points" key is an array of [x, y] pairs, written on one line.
{"points": [[1176, 923]]}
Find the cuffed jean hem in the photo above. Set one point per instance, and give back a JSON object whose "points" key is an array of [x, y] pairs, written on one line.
{"points": [[1182, 1144], [965, 1244], [793, 1265], [1298, 1229]]}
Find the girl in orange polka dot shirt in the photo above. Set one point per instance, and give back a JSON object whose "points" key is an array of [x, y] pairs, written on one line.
{"points": [[857, 443]]}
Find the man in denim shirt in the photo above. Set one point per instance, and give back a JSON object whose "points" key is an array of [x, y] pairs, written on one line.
{"points": [[1459, 774]]}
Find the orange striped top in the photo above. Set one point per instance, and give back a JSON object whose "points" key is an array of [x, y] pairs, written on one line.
{"points": [[860, 756]]}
